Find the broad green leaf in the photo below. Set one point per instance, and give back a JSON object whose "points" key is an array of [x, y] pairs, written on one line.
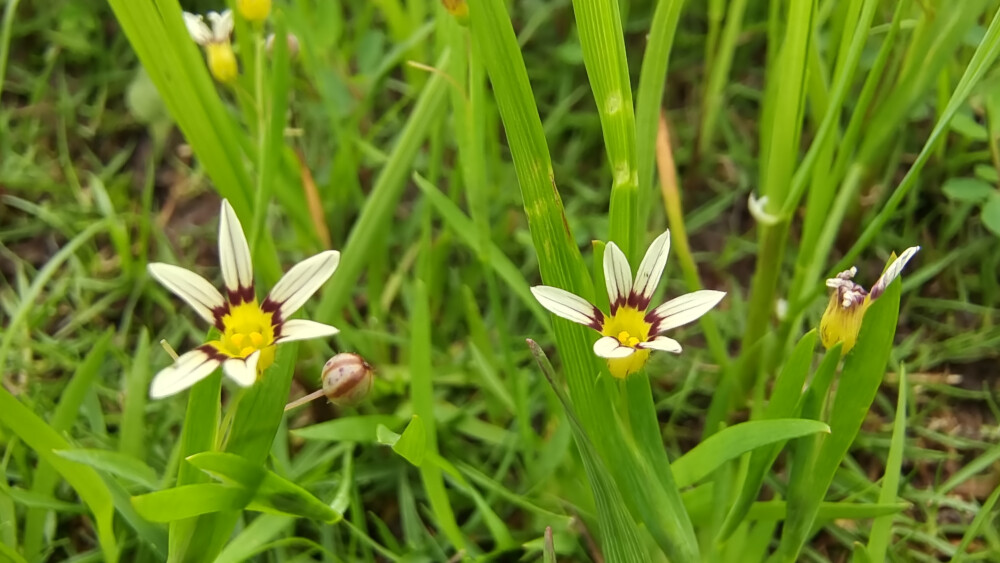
{"points": [[42, 438], [114, 463], [735, 441], [972, 190], [990, 213], [70, 400], [411, 444], [348, 429], [188, 501]]}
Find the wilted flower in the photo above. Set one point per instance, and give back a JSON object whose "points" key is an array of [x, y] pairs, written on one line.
{"points": [[249, 331], [254, 10], [849, 301], [215, 40], [631, 331], [347, 379]]}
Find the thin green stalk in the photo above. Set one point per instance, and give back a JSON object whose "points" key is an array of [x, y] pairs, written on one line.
{"points": [[713, 100], [780, 136], [600, 28]]}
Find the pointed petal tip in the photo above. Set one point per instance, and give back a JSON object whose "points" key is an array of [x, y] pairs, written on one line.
{"points": [[569, 306]]}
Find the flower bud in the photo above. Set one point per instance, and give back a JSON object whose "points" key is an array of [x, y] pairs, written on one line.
{"points": [[290, 40], [457, 8], [347, 379], [254, 10]]}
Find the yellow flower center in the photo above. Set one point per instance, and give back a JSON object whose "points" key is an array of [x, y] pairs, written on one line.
{"points": [[247, 329], [222, 61], [629, 326]]}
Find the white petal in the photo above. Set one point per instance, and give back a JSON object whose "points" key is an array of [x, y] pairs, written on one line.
{"points": [[617, 276], [893, 271], [200, 33], [662, 343], [222, 25], [301, 329], [242, 370], [684, 309], [608, 347], [195, 290], [189, 369], [650, 270], [300, 282], [568, 306], [758, 209], [234, 253]]}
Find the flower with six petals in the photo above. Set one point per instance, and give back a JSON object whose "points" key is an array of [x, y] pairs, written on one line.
{"points": [[632, 330], [249, 331]]}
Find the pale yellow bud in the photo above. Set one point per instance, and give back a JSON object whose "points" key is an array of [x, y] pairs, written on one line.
{"points": [[222, 61], [347, 379], [254, 10]]}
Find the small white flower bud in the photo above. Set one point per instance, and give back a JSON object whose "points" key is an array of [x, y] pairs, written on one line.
{"points": [[347, 379], [291, 40]]}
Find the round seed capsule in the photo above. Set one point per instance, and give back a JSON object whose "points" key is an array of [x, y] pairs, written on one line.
{"points": [[347, 379]]}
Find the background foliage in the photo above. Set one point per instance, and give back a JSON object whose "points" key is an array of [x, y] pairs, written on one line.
{"points": [[870, 126]]}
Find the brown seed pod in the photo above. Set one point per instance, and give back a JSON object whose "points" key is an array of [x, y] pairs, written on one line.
{"points": [[347, 379]]}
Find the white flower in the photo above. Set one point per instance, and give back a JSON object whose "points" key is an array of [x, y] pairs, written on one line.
{"points": [[631, 331], [219, 32], [250, 331]]}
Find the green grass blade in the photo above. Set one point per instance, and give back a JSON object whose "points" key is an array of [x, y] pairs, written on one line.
{"points": [[113, 463], [735, 441], [881, 532], [42, 438], [620, 541], [780, 133], [561, 265], [133, 428], [599, 25], [465, 230], [782, 404], [422, 393], [982, 60], [381, 203], [863, 370]]}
